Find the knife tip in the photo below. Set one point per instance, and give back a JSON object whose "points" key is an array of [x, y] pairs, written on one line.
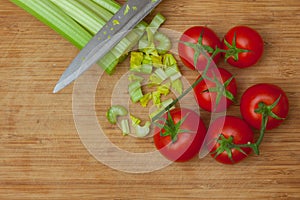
{"points": [[57, 88]]}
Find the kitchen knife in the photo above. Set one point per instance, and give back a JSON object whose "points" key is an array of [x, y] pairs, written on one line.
{"points": [[130, 14]]}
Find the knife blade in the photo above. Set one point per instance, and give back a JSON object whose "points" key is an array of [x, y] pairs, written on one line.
{"points": [[129, 15]]}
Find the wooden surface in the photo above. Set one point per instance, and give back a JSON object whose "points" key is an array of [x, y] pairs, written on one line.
{"points": [[42, 156]]}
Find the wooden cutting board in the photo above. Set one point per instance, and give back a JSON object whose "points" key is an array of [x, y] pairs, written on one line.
{"points": [[42, 156]]}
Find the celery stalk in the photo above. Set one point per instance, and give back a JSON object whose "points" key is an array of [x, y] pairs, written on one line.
{"points": [[92, 22], [79, 20], [99, 10], [125, 127], [81, 14], [55, 18], [109, 5]]}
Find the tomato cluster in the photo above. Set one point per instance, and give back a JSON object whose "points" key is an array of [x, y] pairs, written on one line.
{"points": [[231, 139]]}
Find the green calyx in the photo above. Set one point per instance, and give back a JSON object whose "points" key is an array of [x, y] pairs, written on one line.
{"points": [[221, 90], [199, 48], [226, 145], [267, 109], [233, 51], [171, 128]]}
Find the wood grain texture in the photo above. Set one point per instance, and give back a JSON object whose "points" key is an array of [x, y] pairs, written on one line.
{"points": [[42, 157]]}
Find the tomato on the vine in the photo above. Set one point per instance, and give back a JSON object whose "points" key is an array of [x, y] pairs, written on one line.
{"points": [[218, 92], [226, 132], [264, 98], [192, 43], [244, 46], [179, 134]]}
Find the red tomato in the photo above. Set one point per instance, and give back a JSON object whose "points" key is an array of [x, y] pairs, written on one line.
{"points": [[266, 94], [216, 96], [236, 129], [209, 42], [242, 38], [182, 135]]}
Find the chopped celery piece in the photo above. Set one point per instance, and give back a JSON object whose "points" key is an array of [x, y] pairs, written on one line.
{"points": [[146, 69], [147, 43], [169, 60], [135, 91], [167, 102], [177, 86], [164, 89], [55, 18], [136, 60], [156, 22], [133, 77], [125, 127], [145, 99], [142, 131], [115, 111], [161, 107], [134, 120], [127, 9], [134, 86], [147, 59], [163, 43], [143, 43], [175, 76], [156, 98], [136, 95], [161, 74], [156, 61], [170, 71], [155, 42], [154, 79]]}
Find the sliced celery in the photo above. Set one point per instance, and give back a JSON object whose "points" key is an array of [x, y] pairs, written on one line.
{"points": [[142, 131], [55, 18], [156, 22], [161, 74], [146, 69], [156, 98], [164, 89], [177, 86], [133, 77], [162, 106], [125, 127], [136, 59], [135, 91], [145, 99], [134, 120], [115, 111]]}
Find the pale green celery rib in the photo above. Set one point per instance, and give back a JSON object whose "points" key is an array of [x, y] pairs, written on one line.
{"points": [[52, 16], [73, 8], [63, 15], [81, 14], [109, 5], [99, 10]]}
